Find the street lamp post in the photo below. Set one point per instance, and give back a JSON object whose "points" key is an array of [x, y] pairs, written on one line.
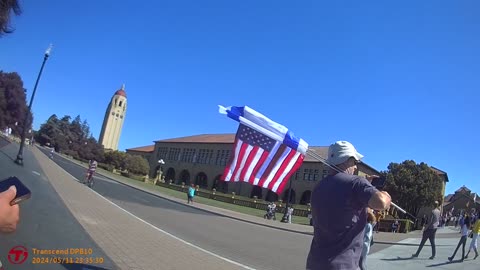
{"points": [[161, 162], [19, 159]]}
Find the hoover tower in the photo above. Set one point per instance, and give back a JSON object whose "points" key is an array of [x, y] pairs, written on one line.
{"points": [[113, 121]]}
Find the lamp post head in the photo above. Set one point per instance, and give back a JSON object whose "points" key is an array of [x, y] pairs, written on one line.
{"points": [[48, 51], [161, 161]]}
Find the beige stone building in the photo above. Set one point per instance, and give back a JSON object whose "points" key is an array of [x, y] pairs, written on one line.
{"points": [[113, 121], [201, 159]]}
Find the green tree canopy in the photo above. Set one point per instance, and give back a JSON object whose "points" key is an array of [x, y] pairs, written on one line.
{"points": [[136, 164], [116, 158], [13, 105], [70, 137], [413, 185]]}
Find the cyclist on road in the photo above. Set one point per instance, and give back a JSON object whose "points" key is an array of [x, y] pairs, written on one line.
{"points": [[92, 167]]}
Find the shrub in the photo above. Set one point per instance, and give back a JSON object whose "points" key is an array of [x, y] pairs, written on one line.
{"points": [[107, 167]]}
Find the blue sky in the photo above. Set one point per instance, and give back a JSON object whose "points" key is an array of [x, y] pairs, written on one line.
{"points": [[398, 80]]}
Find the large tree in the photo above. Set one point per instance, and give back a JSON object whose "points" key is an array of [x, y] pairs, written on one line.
{"points": [[116, 158], [7, 8], [413, 185], [13, 105], [73, 137], [70, 137]]}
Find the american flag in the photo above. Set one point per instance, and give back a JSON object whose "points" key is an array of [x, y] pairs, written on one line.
{"points": [[261, 160]]}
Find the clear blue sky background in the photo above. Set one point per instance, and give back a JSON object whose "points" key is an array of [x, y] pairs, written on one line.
{"points": [[399, 80]]}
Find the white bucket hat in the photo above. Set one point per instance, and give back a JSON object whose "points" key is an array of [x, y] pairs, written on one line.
{"points": [[341, 151]]}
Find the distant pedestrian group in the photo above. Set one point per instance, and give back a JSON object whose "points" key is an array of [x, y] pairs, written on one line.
{"points": [[466, 224], [271, 210], [467, 229]]}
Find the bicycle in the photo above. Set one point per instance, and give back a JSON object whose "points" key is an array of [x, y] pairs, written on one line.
{"points": [[88, 180]]}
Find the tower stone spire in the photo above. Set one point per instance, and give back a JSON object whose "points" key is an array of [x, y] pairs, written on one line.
{"points": [[113, 120]]}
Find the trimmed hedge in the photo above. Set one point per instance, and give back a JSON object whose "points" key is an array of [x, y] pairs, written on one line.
{"points": [[405, 225], [239, 200]]}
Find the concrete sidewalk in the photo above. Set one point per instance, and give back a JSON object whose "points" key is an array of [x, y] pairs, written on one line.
{"points": [[399, 257], [130, 242]]}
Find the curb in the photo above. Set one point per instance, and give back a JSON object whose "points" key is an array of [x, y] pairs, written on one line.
{"points": [[201, 209], [208, 211], [220, 214]]}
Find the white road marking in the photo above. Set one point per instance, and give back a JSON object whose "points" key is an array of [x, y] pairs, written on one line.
{"points": [[37, 173], [177, 238], [173, 236]]}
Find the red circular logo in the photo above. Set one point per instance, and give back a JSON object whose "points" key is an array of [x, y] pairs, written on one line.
{"points": [[18, 255]]}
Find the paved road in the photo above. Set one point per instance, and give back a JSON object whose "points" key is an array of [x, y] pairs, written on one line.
{"points": [[253, 245], [45, 221], [257, 246]]}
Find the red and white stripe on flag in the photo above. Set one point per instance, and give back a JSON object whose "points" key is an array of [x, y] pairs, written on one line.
{"points": [[260, 160]]}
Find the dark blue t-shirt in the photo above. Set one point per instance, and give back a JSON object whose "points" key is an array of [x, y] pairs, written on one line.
{"points": [[339, 217]]}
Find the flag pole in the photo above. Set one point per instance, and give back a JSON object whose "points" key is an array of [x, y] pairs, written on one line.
{"points": [[321, 159], [285, 213]]}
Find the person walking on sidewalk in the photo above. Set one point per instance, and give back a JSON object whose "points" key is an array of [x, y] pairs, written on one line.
{"points": [[463, 239], [473, 243], [289, 214], [191, 193], [339, 210], [430, 231]]}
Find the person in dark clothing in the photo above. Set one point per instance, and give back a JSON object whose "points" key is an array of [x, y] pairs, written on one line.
{"points": [[339, 212], [430, 231], [424, 222], [463, 240]]}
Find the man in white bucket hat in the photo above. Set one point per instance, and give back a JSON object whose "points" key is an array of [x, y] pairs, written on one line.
{"points": [[339, 210]]}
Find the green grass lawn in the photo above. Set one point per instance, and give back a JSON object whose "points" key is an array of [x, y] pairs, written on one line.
{"points": [[202, 200]]}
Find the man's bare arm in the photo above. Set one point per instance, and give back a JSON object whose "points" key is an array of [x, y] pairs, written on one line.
{"points": [[381, 200]]}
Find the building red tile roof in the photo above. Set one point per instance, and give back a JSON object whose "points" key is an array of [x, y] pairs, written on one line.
{"points": [[322, 151], [440, 172], [203, 138], [229, 138], [146, 149]]}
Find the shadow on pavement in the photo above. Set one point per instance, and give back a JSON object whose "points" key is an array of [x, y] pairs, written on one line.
{"points": [[444, 263], [80, 266], [7, 155], [399, 259], [407, 244], [3, 141]]}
